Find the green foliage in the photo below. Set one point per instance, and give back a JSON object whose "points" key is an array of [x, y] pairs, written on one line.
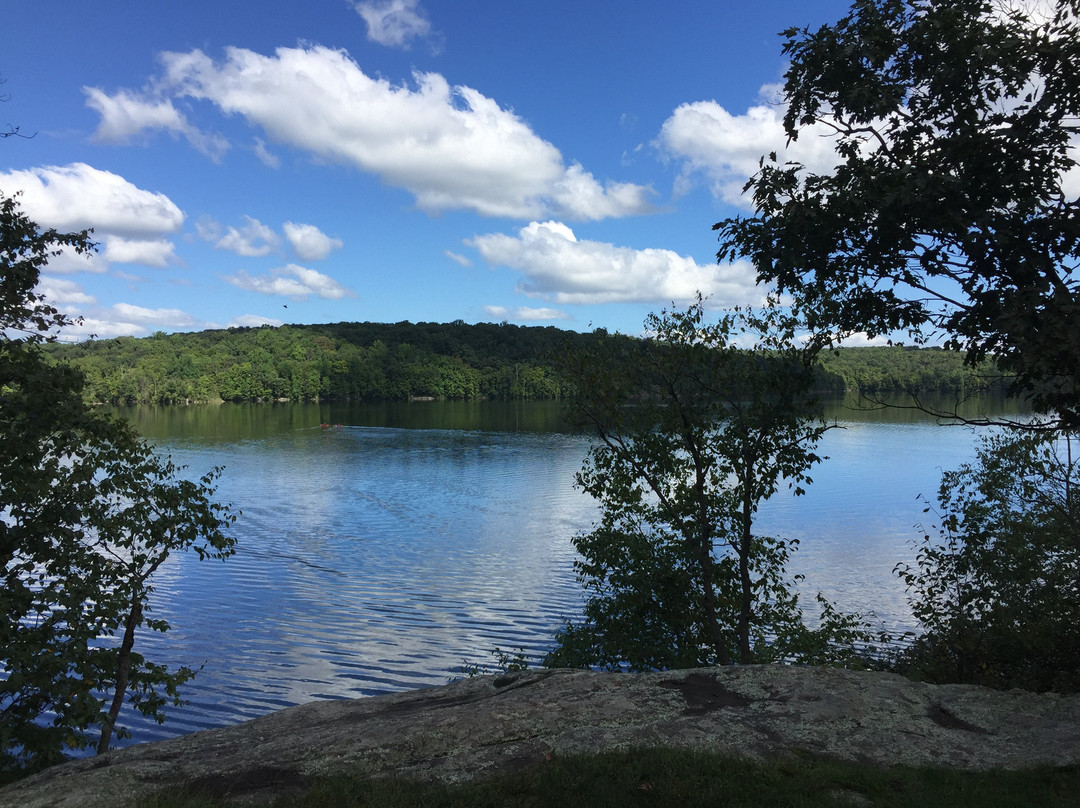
{"points": [[945, 214], [87, 514], [357, 361], [875, 370], [505, 662], [694, 434], [24, 251], [998, 590], [396, 361]]}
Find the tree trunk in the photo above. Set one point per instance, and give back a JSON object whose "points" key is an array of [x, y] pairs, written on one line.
{"points": [[705, 560], [723, 656], [746, 607], [123, 672]]}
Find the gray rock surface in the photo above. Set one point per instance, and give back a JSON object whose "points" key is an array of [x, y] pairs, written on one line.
{"points": [[479, 726]]}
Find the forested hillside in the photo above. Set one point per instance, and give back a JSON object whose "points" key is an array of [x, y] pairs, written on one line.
{"points": [[360, 361], [379, 361], [896, 368]]}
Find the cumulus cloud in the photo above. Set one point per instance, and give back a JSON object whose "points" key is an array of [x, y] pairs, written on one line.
{"points": [[393, 22], [101, 328], [61, 292], [557, 266], [579, 195], [725, 148], [861, 339], [253, 321], [126, 115], [161, 318], [291, 281], [68, 262], [528, 313], [78, 196], [525, 313], [451, 147], [128, 320], [148, 252], [252, 240], [309, 242]]}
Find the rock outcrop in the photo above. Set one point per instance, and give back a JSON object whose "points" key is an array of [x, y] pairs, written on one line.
{"points": [[476, 727]]}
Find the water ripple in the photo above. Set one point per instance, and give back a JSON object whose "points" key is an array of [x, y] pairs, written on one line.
{"points": [[372, 560]]}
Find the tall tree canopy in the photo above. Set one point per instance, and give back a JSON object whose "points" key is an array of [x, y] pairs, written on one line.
{"points": [[952, 208], [694, 434], [88, 513]]}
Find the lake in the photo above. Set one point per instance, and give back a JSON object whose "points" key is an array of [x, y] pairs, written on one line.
{"points": [[404, 541]]}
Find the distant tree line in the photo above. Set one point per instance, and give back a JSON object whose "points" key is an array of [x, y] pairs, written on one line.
{"points": [[908, 369], [399, 361], [358, 361]]}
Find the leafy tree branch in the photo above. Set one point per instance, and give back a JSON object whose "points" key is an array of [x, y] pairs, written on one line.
{"points": [[88, 513]]}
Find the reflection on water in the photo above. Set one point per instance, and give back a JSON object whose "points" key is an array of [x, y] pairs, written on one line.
{"points": [[380, 554], [369, 560], [254, 421]]}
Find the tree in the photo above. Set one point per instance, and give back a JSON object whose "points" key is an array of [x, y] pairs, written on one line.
{"points": [[997, 591], [88, 513], [24, 251], [955, 123], [12, 131], [694, 434]]}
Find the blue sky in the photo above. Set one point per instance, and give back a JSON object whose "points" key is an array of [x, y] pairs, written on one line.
{"points": [[555, 163]]}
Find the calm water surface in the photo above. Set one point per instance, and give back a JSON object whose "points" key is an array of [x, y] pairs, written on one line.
{"points": [[384, 553]]}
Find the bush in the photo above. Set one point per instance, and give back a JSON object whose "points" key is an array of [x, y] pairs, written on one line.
{"points": [[998, 590]]}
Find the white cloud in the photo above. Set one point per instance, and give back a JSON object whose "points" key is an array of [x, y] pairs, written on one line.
{"points": [[393, 22], [162, 318], [525, 314], [151, 253], [726, 148], [78, 196], [268, 158], [860, 339], [292, 281], [252, 240], [578, 195], [128, 320], [557, 266], [457, 258], [1039, 12], [253, 321], [208, 228], [103, 329], [451, 147], [60, 292], [1070, 180], [125, 116], [69, 262], [309, 242]]}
